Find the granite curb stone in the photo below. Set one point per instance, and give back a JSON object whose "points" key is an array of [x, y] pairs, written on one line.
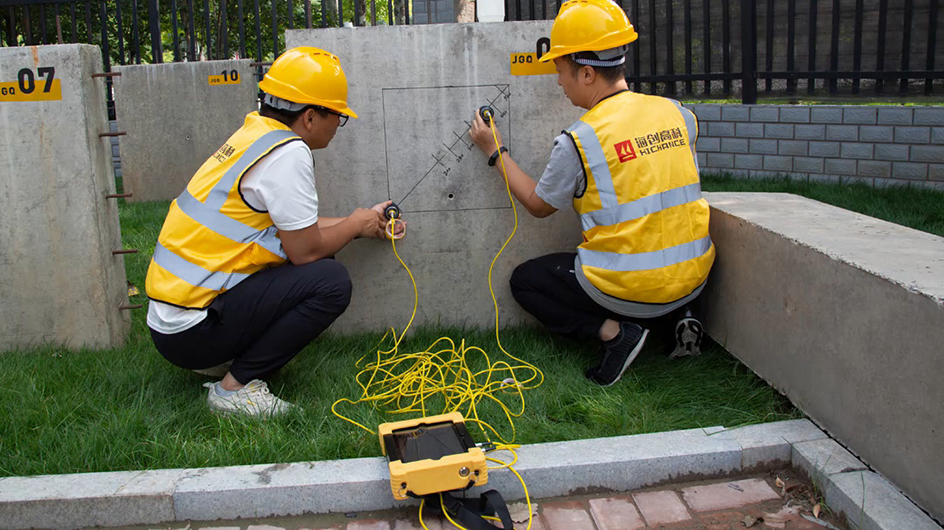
{"points": [[620, 463]]}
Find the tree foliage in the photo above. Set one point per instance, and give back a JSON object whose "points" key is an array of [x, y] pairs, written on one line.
{"points": [[216, 29]]}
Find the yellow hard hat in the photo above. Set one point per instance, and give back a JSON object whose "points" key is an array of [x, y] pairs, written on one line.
{"points": [[310, 76], [589, 26]]}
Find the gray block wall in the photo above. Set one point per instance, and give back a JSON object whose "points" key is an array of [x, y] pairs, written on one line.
{"points": [[175, 120], [842, 313], [60, 283], [415, 99], [875, 145]]}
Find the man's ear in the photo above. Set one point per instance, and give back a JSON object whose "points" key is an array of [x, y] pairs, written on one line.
{"points": [[587, 74], [308, 119]]}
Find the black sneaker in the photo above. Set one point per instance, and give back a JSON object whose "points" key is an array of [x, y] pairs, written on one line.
{"points": [[688, 335], [618, 354]]}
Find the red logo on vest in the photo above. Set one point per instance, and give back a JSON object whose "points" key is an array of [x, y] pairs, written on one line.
{"points": [[625, 151]]}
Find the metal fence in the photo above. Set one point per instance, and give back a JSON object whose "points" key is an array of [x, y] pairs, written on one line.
{"points": [[690, 48]]}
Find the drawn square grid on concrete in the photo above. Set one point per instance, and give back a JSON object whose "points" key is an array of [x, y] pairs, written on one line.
{"points": [[453, 177]]}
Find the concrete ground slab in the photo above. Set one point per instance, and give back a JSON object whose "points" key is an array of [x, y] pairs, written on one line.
{"points": [[661, 507], [765, 444], [560, 469], [284, 489], [88, 499], [616, 513], [822, 458], [566, 515], [871, 503], [720, 497], [843, 314]]}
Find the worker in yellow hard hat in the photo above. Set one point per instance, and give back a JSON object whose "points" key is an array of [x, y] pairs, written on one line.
{"points": [[242, 277], [628, 167]]}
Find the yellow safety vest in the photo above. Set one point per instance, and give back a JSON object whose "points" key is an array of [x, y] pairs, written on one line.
{"points": [[212, 239], [644, 221]]}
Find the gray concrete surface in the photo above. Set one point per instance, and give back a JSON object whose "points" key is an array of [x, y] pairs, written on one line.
{"points": [[620, 463], [175, 119], [415, 89], [60, 282], [555, 469], [843, 313]]}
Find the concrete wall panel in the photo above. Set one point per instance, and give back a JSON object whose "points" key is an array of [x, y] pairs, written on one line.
{"points": [[175, 118], [843, 313], [415, 89], [60, 282]]}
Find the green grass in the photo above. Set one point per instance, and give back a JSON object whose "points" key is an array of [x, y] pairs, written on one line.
{"points": [[84, 410], [916, 208]]}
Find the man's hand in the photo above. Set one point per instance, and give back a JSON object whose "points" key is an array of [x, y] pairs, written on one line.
{"points": [[399, 227], [369, 221], [481, 135]]}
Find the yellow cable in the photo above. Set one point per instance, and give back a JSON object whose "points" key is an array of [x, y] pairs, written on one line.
{"points": [[399, 383]]}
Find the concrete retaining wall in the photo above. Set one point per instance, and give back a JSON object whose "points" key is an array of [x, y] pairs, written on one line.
{"points": [[175, 117], [415, 89], [843, 313], [60, 282], [875, 145]]}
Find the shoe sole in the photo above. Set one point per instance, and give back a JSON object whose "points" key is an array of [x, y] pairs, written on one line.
{"points": [[688, 336], [631, 357]]}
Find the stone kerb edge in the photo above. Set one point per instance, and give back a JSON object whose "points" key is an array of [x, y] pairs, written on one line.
{"points": [[551, 469]]}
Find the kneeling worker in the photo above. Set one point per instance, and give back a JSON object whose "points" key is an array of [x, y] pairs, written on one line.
{"points": [[242, 270], [629, 169]]}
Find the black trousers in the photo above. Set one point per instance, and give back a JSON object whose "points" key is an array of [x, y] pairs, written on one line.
{"points": [[263, 322], [547, 288]]}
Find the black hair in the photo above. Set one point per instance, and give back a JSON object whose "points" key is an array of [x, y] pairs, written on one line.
{"points": [[610, 74], [287, 117]]}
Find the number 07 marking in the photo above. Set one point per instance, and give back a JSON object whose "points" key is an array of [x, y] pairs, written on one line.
{"points": [[26, 87]]}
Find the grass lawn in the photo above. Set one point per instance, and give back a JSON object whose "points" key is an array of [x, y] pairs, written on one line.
{"points": [[81, 410], [917, 208]]}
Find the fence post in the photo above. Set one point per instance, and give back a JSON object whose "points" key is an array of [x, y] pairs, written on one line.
{"points": [[749, 52], [154, 17]]}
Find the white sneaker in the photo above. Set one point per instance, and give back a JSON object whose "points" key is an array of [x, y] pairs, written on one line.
{"points": [[217, 371], [254, 399]]}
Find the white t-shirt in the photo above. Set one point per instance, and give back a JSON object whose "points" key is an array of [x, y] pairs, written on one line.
{"points": [[282, 183]]}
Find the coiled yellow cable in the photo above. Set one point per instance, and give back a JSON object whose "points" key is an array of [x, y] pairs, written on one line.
{"points": [[399, 383]]}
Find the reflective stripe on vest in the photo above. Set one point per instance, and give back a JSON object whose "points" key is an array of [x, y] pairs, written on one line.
{"points": [[187, 270], [692, 127], [195, 274], [644, 221], [614, 261], [208, 213], [596, 160], [641, 207], [614, 213]]}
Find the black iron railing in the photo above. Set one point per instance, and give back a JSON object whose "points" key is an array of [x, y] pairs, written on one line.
{"points": [[687, 48]]}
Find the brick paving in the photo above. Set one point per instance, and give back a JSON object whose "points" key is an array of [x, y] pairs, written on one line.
{"points": [[757, 502]]}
